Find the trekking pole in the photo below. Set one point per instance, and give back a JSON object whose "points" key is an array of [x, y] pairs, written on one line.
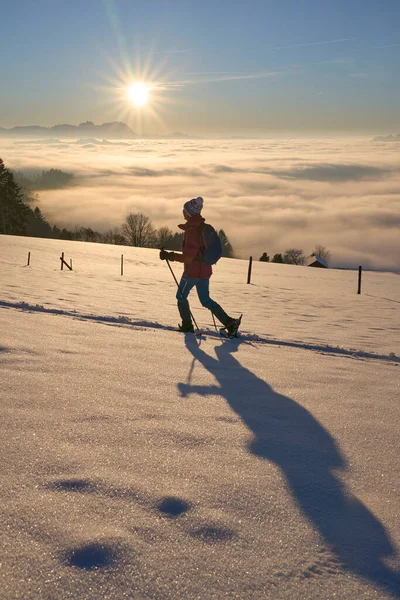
{"points": [[179, 288]]}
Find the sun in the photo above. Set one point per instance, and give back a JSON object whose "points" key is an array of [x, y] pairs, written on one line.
{"points": [[138, 93]]}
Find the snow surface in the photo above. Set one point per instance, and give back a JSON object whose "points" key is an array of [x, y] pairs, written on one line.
{"points": [[137, 462]]}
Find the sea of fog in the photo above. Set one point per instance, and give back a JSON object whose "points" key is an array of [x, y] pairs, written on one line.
{"points": [[268, 195]]}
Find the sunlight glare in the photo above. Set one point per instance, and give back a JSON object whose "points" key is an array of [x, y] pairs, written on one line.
{"points": [[138, 93]]}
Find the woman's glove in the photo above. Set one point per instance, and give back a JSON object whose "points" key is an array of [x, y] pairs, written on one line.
{"points": [[164, 255]]}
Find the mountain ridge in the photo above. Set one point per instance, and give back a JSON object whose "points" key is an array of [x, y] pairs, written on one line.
{"points": [[387, 138], [111, 130]]}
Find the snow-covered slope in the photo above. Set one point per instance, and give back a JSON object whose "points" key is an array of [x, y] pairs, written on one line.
{"points": [[137, 462]]}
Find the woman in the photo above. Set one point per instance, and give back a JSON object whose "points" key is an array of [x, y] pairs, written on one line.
{"points": [[196, 272]]}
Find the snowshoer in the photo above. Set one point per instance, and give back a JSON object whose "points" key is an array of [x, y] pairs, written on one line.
{"points": [[196, 272]]}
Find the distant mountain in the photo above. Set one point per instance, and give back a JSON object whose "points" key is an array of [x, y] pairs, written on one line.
{"points": [[387, 138], [175, 135], [113, 130], [116, 129]]}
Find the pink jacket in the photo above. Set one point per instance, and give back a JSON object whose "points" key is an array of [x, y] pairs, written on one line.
{"points": [[191, 249]]}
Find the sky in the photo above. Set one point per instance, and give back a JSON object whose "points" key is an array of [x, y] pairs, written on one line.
{"points": [[212, 68]]}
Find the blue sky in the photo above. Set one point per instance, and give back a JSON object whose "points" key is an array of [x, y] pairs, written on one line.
{"points": [[223, 67]]}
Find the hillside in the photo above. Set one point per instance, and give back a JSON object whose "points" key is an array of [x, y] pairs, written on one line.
{"points": [[141, 463]]}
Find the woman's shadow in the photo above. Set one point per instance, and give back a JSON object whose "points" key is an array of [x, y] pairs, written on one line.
{"points": [[288, 435]]}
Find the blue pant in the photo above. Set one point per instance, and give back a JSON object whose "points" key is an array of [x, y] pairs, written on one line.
{"points": [[202, 286]]}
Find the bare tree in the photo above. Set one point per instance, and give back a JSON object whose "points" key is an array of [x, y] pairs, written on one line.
{"points": [[294, 256], [322, 252], [138, 230], [113, 236], [164, 238], [89, 235]]}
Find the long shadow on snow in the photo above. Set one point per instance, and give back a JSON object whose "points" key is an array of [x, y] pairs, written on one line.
{"points": [[288, 435], [123, 321]]}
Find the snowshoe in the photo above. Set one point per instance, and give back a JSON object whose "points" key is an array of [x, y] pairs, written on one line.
{"points": [[186, 327], [231, 328]]}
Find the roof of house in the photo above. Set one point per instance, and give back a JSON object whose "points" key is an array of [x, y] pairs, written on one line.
{"points": [[317, 261]]}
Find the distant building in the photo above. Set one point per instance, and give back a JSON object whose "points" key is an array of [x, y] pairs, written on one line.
{"points": [[317, 261]]}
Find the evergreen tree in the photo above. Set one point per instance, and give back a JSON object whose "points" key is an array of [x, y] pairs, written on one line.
{"points": [[264, 257], [56, 232], [26, 182], [277, 258], [37, 226], [53, 179], [46, 180], [176, 242], [66, 235], [227, 249], [13, 210]]}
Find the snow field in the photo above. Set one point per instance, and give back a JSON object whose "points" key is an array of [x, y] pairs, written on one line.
{"points": [[141, 463]]}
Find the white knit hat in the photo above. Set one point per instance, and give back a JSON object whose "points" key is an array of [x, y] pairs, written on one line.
{"points": [[193, 207]]}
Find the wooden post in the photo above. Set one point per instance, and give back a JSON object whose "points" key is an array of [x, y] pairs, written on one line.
{"points": [[29, 258], [249, 271], [63, 262], [122, 264], [359, 280], [70, 262]]}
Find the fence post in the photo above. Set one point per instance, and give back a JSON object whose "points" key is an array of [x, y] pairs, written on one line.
{"points": [[29, 259], [63, 262], [249, 271], [359, 280], [122, 264]]}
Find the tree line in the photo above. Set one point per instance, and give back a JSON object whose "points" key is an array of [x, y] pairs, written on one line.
{"points": [[52, 179], [296, 256], [138, 230], [17, 217]]}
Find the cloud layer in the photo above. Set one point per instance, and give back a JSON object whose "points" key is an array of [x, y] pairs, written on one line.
{"points": [[267, 195]]}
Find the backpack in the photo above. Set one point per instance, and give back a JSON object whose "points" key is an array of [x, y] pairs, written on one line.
{"points": [[211, 247]]}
